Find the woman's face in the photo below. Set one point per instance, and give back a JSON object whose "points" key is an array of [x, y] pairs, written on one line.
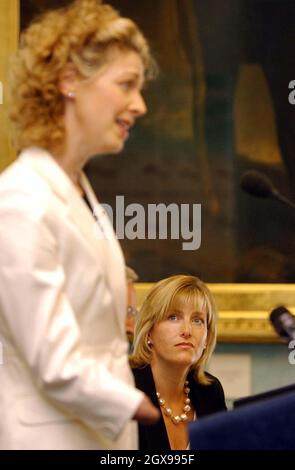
{"points": [[179, 339], [107, 104]]}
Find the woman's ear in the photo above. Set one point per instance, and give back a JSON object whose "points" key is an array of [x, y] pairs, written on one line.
{"points": [[148, 340], [68, 81]]}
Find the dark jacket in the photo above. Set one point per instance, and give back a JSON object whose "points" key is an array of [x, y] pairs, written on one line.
{"points": [[206, 399]]}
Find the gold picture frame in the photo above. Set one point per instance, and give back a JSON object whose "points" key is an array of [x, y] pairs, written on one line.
{"points": [[244, 309]]}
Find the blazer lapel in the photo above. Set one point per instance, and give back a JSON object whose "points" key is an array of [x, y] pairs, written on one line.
{"points": [[116, 277]]}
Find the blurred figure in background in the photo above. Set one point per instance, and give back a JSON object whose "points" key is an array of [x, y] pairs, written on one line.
{"points": [[174, 338], [131, 277]]}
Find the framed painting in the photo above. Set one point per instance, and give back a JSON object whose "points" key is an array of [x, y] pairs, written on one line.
{"points": [[221, 106]]}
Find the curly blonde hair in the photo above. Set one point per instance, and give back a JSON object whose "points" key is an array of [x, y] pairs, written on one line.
{"points": [[79, 34], [164, 296]]}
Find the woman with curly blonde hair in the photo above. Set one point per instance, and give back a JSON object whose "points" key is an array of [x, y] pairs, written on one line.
{"points": [[76, 92], [174, 338]]}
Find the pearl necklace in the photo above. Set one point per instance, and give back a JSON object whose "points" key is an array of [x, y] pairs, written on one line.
{"points": [[176, 419]]}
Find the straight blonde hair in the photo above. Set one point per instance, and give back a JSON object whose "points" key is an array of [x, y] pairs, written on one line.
{"points": [[163, 296]]}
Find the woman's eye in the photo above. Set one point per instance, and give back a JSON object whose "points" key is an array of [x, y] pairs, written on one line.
{"points": [[198, 321], [172, 317], [127, 85]]}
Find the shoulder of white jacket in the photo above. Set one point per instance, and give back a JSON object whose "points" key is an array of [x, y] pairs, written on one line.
{"points": [[36, 171]]}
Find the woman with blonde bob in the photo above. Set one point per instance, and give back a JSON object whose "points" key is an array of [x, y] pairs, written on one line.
{"points": [[175, 335], [76, 92]]}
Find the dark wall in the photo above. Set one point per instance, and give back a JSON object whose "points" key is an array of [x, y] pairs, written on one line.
{"points": [[184, 150]]}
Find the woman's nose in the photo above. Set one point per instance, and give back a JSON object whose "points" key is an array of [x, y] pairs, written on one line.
{"points": [[186, 330], [138, 106]]}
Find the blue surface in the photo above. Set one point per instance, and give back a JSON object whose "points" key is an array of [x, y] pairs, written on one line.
{"points": [[266, 425]]}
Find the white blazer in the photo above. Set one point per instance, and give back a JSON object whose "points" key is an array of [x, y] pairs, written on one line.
{"points": [[65, 382]]}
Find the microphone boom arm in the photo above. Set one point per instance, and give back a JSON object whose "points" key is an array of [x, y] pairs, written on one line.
{"points": [[283, 199]]}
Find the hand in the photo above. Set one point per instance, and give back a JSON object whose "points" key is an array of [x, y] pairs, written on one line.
{"points": [[146, 413]]}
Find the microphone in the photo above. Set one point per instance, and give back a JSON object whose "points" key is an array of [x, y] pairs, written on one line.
{"points": [[259, 185], [283, 322]]}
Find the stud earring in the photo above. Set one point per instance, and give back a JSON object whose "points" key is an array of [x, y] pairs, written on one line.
{"points": [[71, 94], [149, 342]]}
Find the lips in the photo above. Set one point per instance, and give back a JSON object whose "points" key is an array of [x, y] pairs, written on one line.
{"points": [[185, 345], [124, 126]]}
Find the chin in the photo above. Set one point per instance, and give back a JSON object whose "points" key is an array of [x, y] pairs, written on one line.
{"points": [[114, 150], [114, 145], [184, 361], [108, 148], [118, 150]]}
